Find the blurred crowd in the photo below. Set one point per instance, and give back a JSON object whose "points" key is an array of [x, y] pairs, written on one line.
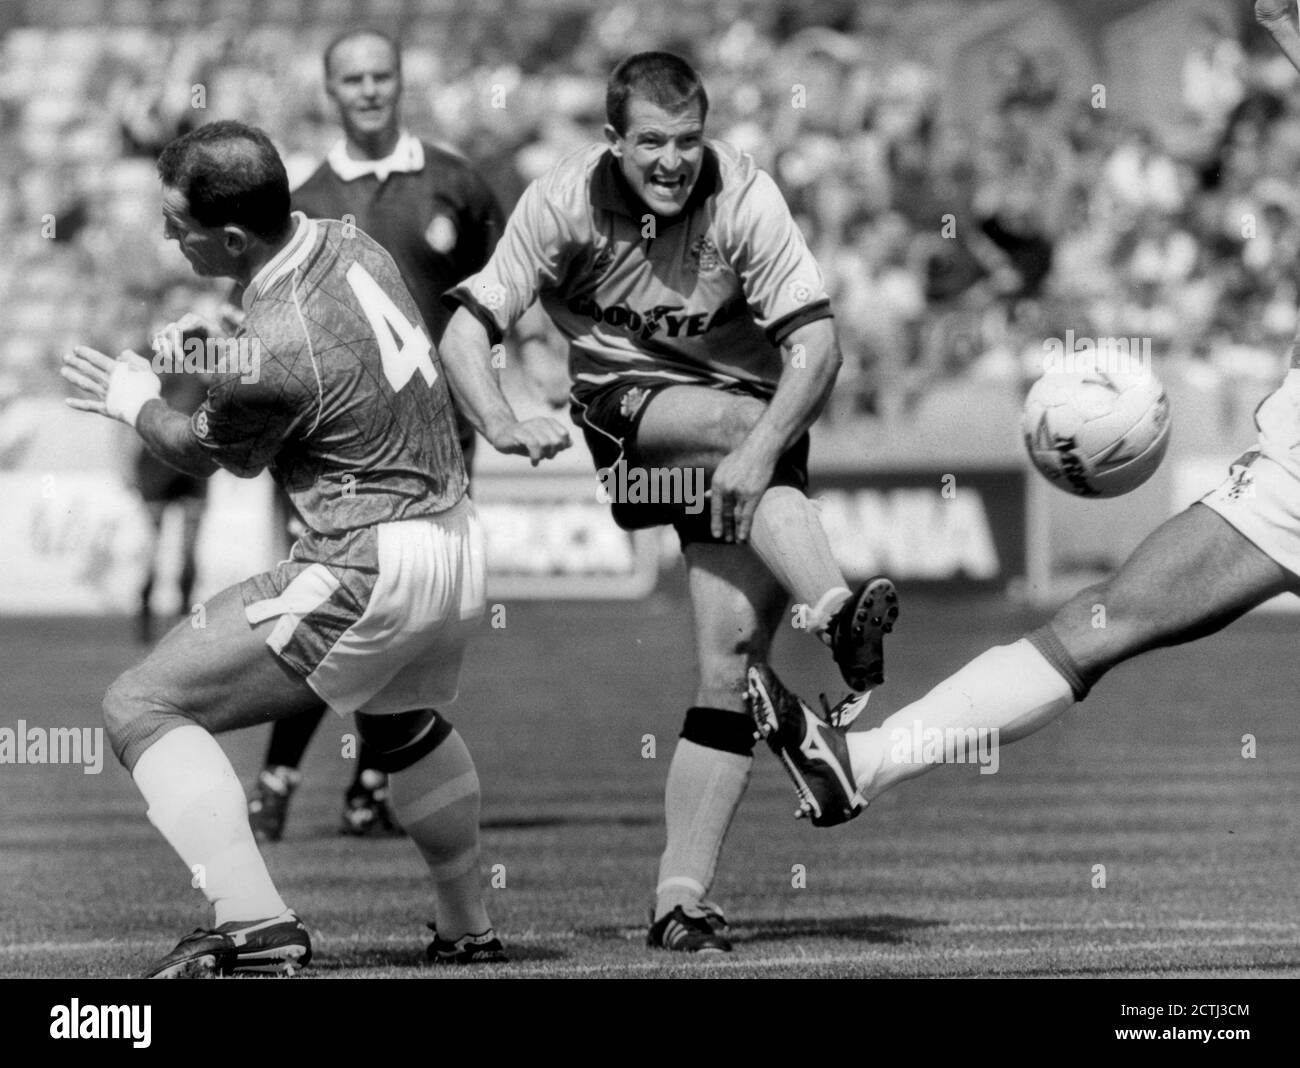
{"points": [[949, 251]]}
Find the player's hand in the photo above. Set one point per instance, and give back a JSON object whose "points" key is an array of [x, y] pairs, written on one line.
{"points": [[115, 388], [539, 438], [739, 481], [1272, 11], [169, 342]]}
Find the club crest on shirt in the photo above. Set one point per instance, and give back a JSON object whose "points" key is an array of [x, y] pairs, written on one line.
{"points": [[800, 291], [704, 255], [491, 295], [201, 423], [631, 402], [440, 234]]}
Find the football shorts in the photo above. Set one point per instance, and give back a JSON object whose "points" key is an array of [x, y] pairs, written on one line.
{"points": [[609, 416], [1261, 495], [376, 620]]}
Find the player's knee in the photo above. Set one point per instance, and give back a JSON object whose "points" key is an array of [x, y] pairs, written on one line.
{"points": [[722, 668], [732, 653], [136, 716], [399, 740], [120, 707]]}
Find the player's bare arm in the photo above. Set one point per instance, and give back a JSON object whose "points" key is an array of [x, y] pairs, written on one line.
{"points": [[126, 389], [467, 357], [812, 362], [544, 364]]}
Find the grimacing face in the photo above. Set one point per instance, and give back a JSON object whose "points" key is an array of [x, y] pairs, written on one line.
{"points": [[660, 153], [365, 84], [213, 251]]}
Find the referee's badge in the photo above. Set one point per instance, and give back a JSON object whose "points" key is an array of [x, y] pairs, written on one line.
{"points": [[440, 234]]}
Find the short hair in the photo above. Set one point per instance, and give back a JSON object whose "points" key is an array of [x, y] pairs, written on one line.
{"points": [[666, 80], [352, 35], [229, 173]]}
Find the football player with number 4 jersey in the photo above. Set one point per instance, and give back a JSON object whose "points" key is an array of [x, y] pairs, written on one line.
{"points": [[438, 219], [334, 386], [701, 348]]}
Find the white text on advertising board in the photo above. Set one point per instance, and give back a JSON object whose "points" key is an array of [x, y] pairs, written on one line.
{"points": [[910, 532]]}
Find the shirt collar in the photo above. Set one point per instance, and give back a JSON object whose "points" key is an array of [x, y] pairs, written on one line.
{"points": [[610, 191], [406, 158], [284, 261]]}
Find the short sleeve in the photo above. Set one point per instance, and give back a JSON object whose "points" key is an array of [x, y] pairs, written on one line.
{"points": [[528, 259], [244, 425], [782, 282]]}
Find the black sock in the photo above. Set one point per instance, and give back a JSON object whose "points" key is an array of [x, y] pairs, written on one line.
{"points": [[290, 737]]}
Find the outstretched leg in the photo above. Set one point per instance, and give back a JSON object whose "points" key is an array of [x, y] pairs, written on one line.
{"points": [[1192, 576]]}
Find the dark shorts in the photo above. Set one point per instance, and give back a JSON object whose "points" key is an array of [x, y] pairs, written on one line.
{"points": [[609, 416]]}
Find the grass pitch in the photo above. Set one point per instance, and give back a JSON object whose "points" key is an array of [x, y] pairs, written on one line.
{"points": [[957, 874]]}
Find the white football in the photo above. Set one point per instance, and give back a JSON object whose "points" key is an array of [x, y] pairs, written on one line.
{"points": [[1096, 434]]}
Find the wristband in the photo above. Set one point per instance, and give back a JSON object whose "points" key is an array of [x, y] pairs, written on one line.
{"points": [[131, 386]]}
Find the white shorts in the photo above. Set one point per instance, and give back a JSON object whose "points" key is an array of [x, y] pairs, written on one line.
{"points": [[380, 622], [1261, 495]]}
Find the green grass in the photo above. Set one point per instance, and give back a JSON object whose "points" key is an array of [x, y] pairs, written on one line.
{"points": [[957, 874]]}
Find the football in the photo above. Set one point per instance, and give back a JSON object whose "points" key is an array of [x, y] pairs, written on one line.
{"points": [[1096, 434]]}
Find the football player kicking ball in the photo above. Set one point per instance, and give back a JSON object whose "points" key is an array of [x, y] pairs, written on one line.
{"points": [[372, 611], [1234, 549], [701, 346]]}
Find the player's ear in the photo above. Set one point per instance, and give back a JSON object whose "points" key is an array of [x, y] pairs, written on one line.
{"points": [[614, 139], [236, 239]]}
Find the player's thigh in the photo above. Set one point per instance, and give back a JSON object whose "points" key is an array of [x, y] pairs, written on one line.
{"points": [[694, 426], [222, 675], [737, 606], [1192, 576]]}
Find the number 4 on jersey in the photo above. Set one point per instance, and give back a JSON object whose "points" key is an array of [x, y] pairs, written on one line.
{"points": [[403, 347]]}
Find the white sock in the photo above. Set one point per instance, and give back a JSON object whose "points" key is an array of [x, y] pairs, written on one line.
{"points": [[197, 804], [1009, 689], [703, 792], [437, 802], [788, 536]]}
